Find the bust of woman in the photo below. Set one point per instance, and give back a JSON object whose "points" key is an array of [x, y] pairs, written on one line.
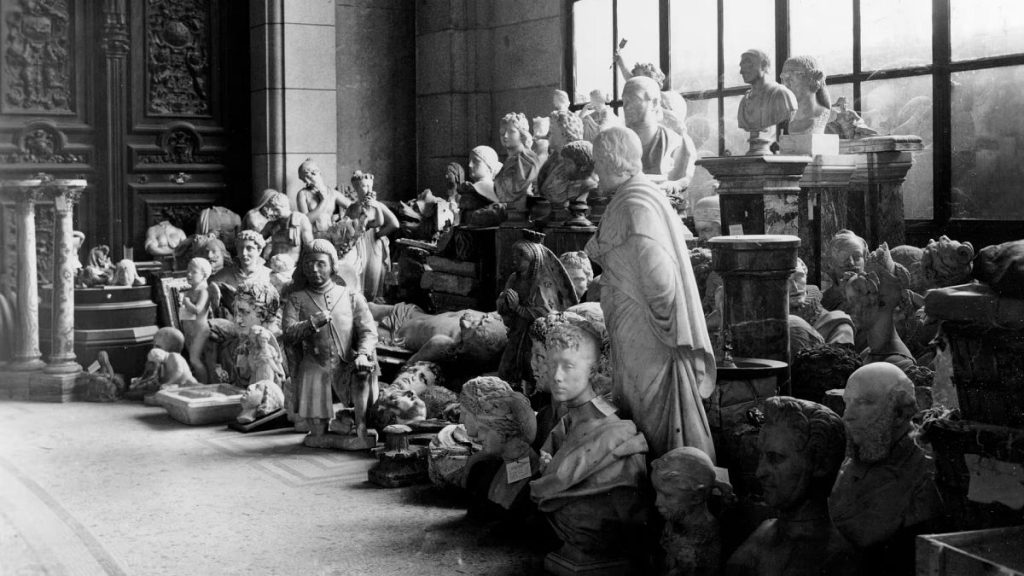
{"points": [[515, 179], [806, 80]]}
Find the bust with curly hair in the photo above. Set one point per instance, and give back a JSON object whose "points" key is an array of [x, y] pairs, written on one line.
{"points": [[805, 78], [518, 173]]}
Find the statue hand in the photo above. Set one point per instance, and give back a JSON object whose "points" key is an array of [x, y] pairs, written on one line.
{"points": [[511, 299], [363, 363], [545, 459]]}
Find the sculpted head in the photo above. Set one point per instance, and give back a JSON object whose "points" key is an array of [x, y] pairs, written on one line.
{"points": [[683, 479], [419, 375], [472, 398], [276, 207], [846, 253], [199, 270], [515, 133], [617, 157], [505, 416], [649, 70], [947, 262], [213, 249], [641, 100], [363, 184], [319, 262], [560, 100], [707, 217], [250, 245], [482, 337], [880, 402], [581, 272], [255, 304], [309, 174], [802, 446], [574, 349], [169, 339], [880, 288], [754, 65], [578, 158], [282, 264], [802, 75], [565, 127], [483, 164], [260, 399]]}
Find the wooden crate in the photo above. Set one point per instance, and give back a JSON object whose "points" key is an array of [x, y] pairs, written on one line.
{"points": [[997, 551]]}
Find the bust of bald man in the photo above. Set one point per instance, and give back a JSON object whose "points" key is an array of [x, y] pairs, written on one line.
{"points": [[885, 493], [669, 158]]}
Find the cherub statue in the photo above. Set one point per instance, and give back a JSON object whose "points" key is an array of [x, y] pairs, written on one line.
{"points": [[194, 314], [100, 269], [872, 298], [165, 366], [125, 274], [260, 399], [846, 253], [597, 115], [259, 357], [806, 80], [847, 123], [538, 285], [162, 238], [684, 479], [516, 178]]}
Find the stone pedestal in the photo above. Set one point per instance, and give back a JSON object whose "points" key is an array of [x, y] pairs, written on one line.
{"points": [[562, 239], [27, 357], [882, 166], [469, 259], [824, 208], [65, 194], [754, 271], [758, 194]]}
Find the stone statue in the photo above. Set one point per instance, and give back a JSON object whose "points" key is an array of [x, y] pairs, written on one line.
{"points": [[872, 300], [662, 356], [194, 315], [835, 326], [885, 493], [478, 203], [684, 479], [806, 80], [208, 246], [765, 106], [259, 400], [320, 203], [514, 182], [669, 157], [566, 128], [165, 366], [673, 107], [581, 272], [282, 269], [947, 262], [416, 394], [846, 254], [162, 238], [571, 179], [374, 221], [259, 358], [597, 115], [593, 463], [538, 285], [126, 274], [286, 231], [333, 337], [707, 217], [219, 222], [801, 447], [560, 99], [99, 269], [256, 218], [78, 239], [505, 426], [249, 265], [847, 123], [467, 337]]}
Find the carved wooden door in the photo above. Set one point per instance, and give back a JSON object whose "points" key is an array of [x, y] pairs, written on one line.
{"points": [[148, 99]]}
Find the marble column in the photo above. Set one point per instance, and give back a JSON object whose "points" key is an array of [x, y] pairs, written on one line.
{"points": [[758, 194], [27, 357], [65, 194]]}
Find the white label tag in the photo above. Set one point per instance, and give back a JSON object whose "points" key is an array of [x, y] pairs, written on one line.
{"points": [[736, 230], [518, 470], [94, 367], [995, 481]]}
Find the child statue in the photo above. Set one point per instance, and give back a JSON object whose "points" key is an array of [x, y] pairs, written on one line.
{"points": [[374, 221], [194, 315], [806, 80], [684, 479], [165, 366], [333, 337], [593, 464], [514, 182], [258, 357], [538, 285], [580, 270]]}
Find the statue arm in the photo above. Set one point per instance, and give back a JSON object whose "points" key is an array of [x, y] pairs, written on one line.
{"points": [[685, 165], [295, 330], [388, 219], [301, 203], [364, 326], [657, 276], [305, 231]]}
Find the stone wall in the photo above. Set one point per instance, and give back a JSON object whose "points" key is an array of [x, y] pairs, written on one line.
{"points": [[476, 60]]}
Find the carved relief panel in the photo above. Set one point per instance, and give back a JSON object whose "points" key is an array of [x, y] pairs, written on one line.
{"points": [[178, 53], [37, 69]]}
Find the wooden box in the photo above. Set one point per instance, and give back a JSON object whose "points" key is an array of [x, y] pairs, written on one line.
{"points": [[997, 551]]}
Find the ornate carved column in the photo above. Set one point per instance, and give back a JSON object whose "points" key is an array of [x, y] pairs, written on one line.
{"points": [[65, 194], [115, 45], [26, 341]]}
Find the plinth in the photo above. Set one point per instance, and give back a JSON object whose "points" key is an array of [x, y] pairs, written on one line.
{"points": [[754, 272], [882, 166], [562, 239], [826, 205], [758, 194]]}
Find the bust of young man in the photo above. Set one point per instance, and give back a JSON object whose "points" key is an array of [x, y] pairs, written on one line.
{"points": [[766, 105]]}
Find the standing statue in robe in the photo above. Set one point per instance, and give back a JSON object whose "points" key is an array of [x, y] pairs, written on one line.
{"points": [[375, 221], [662, 355]]}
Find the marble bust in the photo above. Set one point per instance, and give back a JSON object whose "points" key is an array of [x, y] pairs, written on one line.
{"points": [[514, 182], [287, 231], [667, 157], [885, 493], [846, 253], [803, 77], [766, 105], [802, 445], [260, 399]]}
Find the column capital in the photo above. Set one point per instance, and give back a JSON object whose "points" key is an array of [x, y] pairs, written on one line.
{"points": [[64, 193]]}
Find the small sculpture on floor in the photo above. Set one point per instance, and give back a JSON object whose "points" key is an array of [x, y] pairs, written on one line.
{"points": [[416, 394], [126, 274], [802, 75], [802, 445], [334, 338], [287, 231], [538, 285], [104, 385], [593, 465], [765, 106], [259, 358], [260, 399], [165, 366], [162, 238], [514, 182], [478, 203], [885, 493], [684, 479], [194, 314], [320, 203]]}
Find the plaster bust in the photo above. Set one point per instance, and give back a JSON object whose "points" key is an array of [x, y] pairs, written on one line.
{"points": [[802, 75], [766, 105], [477, 197], [519, 171], [260, 399], [667, 156], [846, 253], [707, 217], [506, 427], [162, 238], [581, 272]]}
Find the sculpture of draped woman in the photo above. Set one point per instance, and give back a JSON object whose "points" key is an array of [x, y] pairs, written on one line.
{"points": [[374, 221], [514, 182]]}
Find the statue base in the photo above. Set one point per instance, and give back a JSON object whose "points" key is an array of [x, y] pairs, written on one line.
{"points": [[199, 405], [349, 443], [272, 421], [561, 565], [398, 468], [37, 386], [810, 144]]}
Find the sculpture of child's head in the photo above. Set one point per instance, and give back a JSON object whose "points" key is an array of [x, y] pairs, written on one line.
{"points": [[255, 304], [363, 184], [515, 133], [802, 445], [581, 272], [801, 74], [199, 270], [474, 393], [707, 217], [683, 479], [573, 356], [276, 207], [169, 339], [483, 164], [565, 127]]}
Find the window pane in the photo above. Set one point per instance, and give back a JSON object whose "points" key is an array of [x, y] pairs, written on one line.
{"points": [[747, 24], [988, 144], [904, 106], [702, 126], [996, 30], [638, 24], [593, 47], [694, 47], [736, 140], [895, 33], [834, 49]]}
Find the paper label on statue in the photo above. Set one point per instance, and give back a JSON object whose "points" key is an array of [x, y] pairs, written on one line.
{"points": [[736, 230], [184, 314], [94, 367], [995, 481], [722, 475], [518, 470]]}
